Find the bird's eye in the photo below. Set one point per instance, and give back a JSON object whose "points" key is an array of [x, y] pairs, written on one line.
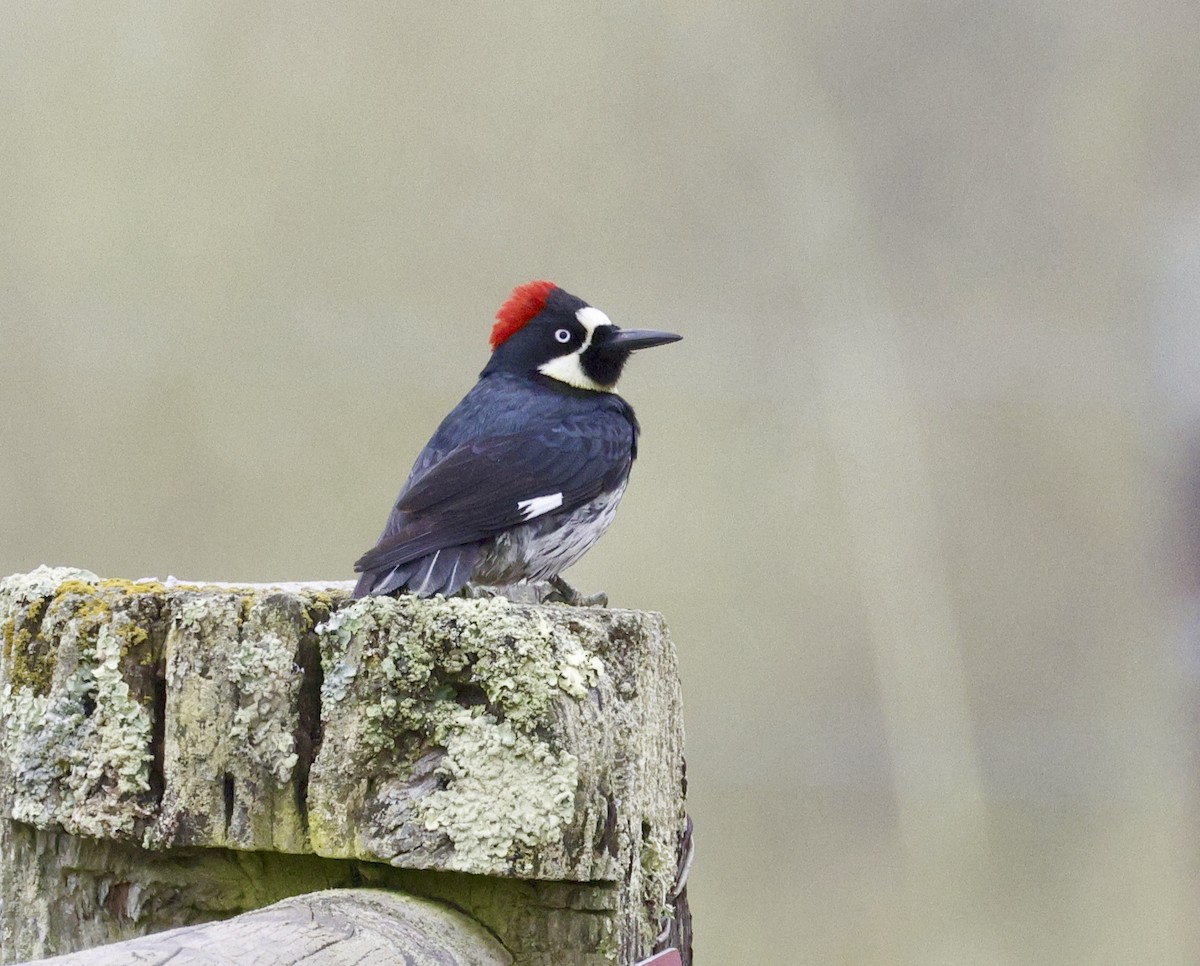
{"points": [[563, 335]]}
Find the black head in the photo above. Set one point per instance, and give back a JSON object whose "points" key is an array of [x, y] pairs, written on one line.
{"points": [[542, 331]]}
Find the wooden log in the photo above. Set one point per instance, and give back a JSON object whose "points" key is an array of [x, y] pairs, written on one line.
{"points": [[524, 762], [366, 927]]}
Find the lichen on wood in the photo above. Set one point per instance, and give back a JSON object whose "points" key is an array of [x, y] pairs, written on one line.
{"points": [[75, 719], [466, 695], [428, 737]]}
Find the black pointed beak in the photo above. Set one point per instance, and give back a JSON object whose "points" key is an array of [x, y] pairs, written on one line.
{"points": [[631, 339]]}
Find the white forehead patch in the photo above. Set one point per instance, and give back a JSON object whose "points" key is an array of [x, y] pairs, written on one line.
{"points": [[589, 318]]}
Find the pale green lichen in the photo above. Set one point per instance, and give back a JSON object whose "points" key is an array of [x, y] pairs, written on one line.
{"points": [[262, 669], [506, 790], [336, 634], [76, 742], [118, 750], [189, 611], [479, 679], [42, 582], [658, 864], [431, 652], [33, 728], [577, 669]]}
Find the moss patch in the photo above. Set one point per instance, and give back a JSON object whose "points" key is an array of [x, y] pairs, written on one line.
{"points": [[29, 656]]}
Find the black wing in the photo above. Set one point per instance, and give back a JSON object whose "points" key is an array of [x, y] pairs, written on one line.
{"points": [[482, 487]]}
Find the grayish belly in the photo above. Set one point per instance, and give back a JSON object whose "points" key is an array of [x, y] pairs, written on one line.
{"points": [[545, 547]]}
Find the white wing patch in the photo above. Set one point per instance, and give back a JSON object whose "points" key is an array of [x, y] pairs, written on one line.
{"points": [[536, 506]]}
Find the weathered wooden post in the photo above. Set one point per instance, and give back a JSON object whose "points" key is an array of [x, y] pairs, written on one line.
{"points": [[174, 755]]}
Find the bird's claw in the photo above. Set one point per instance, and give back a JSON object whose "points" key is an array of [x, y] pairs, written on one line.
{"points": [[476, 592], [564, 593]]}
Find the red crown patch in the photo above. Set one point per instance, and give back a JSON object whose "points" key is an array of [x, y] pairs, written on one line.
{"points": [[525, 302]]}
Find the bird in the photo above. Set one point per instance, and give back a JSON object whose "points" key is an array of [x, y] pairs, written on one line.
{"points": [[525, 474]]}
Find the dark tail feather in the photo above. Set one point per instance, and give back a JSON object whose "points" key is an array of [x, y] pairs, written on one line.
{"points": [[442, 572], [364, 585]]}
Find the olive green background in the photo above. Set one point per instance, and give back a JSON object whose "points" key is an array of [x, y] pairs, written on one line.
{"points": [[903, 487]]}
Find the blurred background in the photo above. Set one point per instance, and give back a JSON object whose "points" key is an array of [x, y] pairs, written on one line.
{"points": [[913, 493]]}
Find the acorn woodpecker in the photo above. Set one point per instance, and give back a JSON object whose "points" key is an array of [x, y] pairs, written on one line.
{"points": [[525, 474]]}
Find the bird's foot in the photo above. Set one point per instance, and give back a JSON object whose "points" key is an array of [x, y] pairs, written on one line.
{"points": [[564, 593], [476, 592]]}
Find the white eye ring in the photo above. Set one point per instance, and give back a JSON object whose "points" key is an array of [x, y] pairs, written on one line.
{"points": [[563, 335]]}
